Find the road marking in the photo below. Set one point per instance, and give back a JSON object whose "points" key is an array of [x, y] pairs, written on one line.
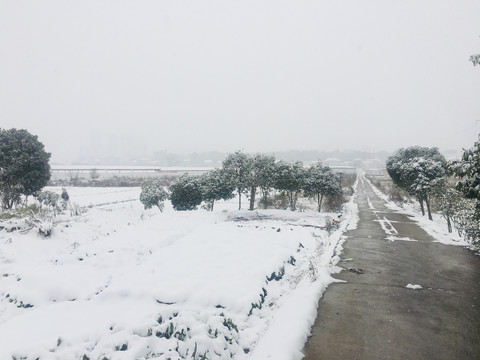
{"points": [[387, 226], [370, 205], [393, 238]]}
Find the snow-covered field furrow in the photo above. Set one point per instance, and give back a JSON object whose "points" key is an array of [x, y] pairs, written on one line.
{"points": [[119, 282]]}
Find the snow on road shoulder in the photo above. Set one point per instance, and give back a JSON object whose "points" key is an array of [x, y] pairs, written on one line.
{"points": [[414, 287], [123, 283], [436, 228], [290, 326]]}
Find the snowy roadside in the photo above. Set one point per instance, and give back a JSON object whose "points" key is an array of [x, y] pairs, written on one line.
{"points": [[123, 283], [436, 228]]}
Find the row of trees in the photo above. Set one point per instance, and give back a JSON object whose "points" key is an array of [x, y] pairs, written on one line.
{"points": [[25, 170], [249, 175], [452, 188]]}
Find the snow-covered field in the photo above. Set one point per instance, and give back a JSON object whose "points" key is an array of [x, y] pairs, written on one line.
{"points": [[119, 282]]}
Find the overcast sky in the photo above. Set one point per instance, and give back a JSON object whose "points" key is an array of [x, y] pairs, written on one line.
{"points": [[184, 76]]}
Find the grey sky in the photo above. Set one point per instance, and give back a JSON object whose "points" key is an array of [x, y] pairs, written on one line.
{"points": [[184, 76]]}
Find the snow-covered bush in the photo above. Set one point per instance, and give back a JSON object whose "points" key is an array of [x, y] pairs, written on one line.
{"points": [[43, 221], [186, 193], [49, 199], [466, 222], [153, 194]]}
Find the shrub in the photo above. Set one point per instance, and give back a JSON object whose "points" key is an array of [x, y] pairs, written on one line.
{"points": [[186, 193], [153, 194]]}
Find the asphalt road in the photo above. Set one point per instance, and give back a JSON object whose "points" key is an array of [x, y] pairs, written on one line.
{"points": [[374, 316]]}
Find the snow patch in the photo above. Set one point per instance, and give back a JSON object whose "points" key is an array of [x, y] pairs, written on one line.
{"points": [[414, 287], [370, 205]]}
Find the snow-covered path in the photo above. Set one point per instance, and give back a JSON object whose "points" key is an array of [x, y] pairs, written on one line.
{"points": [[406, 295], [119, 282]]}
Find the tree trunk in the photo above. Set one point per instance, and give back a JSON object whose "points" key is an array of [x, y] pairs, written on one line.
{"points": [[253, 190], [320, 200], [239, 200], [294, 201], [449, 224], [290, 198], [421, 206], [427, 201], [213, 203]]}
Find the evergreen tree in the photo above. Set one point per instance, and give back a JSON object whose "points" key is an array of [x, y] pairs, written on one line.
{"points": [[216, 185], [418, 170], [261, 176], [186, 193], [289, 178], [468, 171], [447, 200], [237, 167], [320, 181], [24, 166]]}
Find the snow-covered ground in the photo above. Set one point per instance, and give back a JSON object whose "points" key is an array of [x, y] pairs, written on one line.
{"points": [[119, 282]]}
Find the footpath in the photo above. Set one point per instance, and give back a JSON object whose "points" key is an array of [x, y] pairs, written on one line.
{"points": [[374, 315]]}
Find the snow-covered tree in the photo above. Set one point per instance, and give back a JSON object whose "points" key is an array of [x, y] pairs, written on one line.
{"points": [[289, 178], [186, 193], [237, 166], [24, 165], [153, 194], [262, 170], [320, 181], [216, 185], [418, 170], [448, 200], [466, 221], [467, 170]]}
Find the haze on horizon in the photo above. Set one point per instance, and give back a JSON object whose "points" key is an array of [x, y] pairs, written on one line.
{"points": [[137, 77]]}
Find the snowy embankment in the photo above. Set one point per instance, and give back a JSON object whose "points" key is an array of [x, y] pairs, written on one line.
{"points": [[436, 228], [119, 282]]}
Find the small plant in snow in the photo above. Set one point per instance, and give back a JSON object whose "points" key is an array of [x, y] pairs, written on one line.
{"points": [[43, 221], [50, 200], [331, 226]]}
